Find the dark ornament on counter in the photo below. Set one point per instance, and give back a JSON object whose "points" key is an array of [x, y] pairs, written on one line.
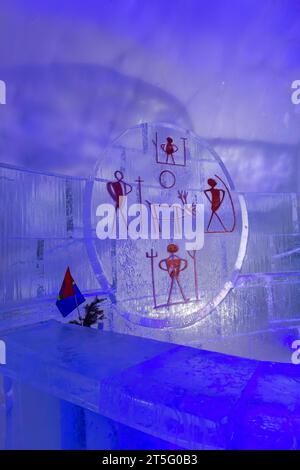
{"points": [[93, 314]]}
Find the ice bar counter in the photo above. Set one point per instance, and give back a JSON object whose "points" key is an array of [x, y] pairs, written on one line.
{"points": [[69, 387]]}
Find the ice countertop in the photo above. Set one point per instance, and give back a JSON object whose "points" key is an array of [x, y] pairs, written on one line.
{"points": [[189, 397]]}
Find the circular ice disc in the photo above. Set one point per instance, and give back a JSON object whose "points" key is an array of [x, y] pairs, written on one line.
{"points": [[161, 282]]}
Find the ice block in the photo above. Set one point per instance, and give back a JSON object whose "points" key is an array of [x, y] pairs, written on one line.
{"points": [[187, 397]]}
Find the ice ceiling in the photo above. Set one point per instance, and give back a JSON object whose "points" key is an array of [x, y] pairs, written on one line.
{"points": [[78, 73]]}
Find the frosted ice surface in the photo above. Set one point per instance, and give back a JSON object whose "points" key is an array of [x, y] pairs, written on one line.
{"points": [[139, 158], [187, 397]]}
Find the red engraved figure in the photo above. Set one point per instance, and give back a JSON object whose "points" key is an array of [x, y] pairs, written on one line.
{"points": [[118, 188], [174, 265], [169, 148], [216, 198]]}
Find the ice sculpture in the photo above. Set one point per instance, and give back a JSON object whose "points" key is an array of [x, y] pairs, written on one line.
{"points": [[160, 283], [51, 229]]}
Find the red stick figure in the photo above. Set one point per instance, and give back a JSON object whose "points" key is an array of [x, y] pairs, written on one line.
{"points": [[118, 188], [174, 266], [216, 198], [169, 148]]}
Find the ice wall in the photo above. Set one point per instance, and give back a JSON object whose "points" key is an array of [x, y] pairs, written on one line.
{"points": [[42, 220], [78, 74]]}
